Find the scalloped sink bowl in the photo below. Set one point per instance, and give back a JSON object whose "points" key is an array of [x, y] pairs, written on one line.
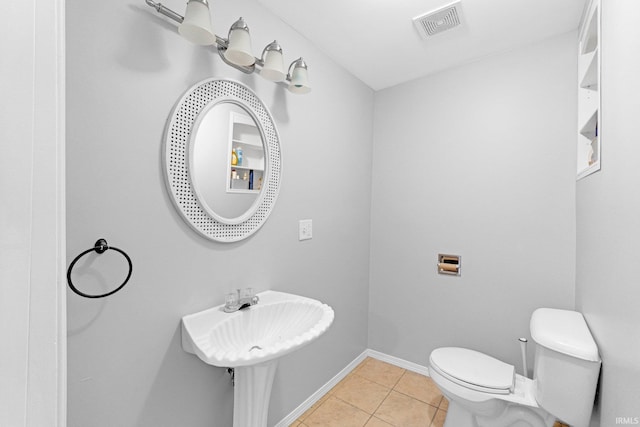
{"points": [[279, 324]]}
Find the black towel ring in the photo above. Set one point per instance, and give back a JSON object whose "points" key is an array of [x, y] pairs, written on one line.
{"points": [[100, 247]]}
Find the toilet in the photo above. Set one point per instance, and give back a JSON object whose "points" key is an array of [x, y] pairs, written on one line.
{"points": [[486, 392]]}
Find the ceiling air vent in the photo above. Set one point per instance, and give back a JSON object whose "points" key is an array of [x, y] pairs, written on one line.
{"points": [[439, 20]]}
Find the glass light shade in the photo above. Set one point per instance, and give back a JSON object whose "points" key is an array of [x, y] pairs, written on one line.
{"points": [[239, 48], [299, 78], [273, 68], [196, 26]]}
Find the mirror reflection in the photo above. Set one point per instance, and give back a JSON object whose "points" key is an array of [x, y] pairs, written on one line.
{"points": [[227, 160]]}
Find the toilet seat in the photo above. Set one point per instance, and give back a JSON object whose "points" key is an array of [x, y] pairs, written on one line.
{"points": [[473, 370]]}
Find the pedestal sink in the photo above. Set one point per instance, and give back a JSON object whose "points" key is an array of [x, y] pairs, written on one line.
{"points": [[251, 341]]}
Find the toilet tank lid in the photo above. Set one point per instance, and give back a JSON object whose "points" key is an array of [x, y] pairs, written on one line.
{"points": [[564, 331]]}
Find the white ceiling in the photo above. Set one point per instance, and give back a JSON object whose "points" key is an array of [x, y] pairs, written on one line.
{"points": [[377, 42]]}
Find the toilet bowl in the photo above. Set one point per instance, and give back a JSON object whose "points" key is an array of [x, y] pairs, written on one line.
{"points": [[486, 392]]}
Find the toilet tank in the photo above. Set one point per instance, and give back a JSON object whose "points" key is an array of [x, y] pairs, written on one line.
{"points": [[567, 365]]}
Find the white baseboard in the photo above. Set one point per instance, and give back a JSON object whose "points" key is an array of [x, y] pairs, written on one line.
{"points": [[304, 406], [405, 364]]}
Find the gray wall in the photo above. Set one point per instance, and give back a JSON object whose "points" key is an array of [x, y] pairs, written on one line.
{"points": [[126, 67], [476, 161], [608, 220]]}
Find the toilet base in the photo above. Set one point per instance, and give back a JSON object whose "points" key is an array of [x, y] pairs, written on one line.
{"points": [[458, 416], [511, 415]]}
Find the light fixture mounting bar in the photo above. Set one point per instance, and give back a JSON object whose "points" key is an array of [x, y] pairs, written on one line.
{"points": [[222, 45], [163, 10], [221, 42]]}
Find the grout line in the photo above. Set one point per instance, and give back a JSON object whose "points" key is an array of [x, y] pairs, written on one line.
{"points": [[434, 415], [367, 379], [419, 400], [398, 380], [382, 401], [353, 406]]}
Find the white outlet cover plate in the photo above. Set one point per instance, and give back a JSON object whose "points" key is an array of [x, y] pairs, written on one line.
{"points": [[305, 229]]}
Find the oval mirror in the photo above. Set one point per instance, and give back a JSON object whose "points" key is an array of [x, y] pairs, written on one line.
{"points": [[226, 159], [222, 160]]}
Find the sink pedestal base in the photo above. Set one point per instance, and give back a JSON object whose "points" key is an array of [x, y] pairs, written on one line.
{"points": [[252, 393]]}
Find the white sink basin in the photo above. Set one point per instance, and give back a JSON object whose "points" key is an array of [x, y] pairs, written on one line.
{"points": [[279, 324], [251, 341]]}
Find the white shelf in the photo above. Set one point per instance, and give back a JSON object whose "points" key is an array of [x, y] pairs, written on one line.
{"points": [[247, 168], [588, 129], [244, 134], [241, 191], [588, 170], [590, 34], [250, 143], [589, 78]]}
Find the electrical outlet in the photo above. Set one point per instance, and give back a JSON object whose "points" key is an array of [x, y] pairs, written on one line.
{"points": [[305, 229]]}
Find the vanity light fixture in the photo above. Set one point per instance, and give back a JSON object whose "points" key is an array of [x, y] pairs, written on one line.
{"points": [[235, 50], [299, 82], [273, 68], [239, 45], [196, 24]]}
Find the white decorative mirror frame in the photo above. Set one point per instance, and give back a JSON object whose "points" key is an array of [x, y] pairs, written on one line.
{"points": [[177, 141]]}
